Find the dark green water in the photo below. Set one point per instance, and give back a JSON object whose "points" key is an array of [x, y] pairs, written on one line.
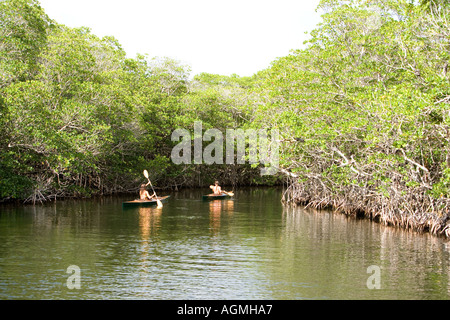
{"points": [[247, 248]]}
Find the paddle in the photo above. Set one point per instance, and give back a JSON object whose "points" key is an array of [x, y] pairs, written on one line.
{"points": [[160, 205]]}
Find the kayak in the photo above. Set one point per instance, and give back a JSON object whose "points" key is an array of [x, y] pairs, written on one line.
{"points": [[143, 203], [213, 196]]}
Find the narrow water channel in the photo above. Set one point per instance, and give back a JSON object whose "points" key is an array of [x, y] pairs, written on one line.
{"points": [[248, 247]]}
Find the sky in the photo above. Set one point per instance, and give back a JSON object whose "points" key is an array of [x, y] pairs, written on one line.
{"points": [[215, 36]]}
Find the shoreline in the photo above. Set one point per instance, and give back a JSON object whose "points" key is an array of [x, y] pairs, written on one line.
{"points": [[428, 222], [380, 211]]}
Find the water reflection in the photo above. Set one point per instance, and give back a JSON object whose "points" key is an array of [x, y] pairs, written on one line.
{"points": [[216, 208], [332, 250], [251, 247], [149, 227], [149, 222]]}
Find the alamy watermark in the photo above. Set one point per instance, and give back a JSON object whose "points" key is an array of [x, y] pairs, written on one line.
{"points": [[374, 281], [262, 147], [74, 280]]}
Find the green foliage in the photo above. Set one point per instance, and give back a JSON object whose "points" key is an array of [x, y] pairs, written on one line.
{"points": [[12, 184], [362, 110], [78, 118], [364, 107], [23, 34]]}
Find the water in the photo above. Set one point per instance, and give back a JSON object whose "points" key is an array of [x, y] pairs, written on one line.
{"points": [[247, 248]]}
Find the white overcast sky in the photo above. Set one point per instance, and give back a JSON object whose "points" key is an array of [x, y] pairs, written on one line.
{"points": [[214, 36]]}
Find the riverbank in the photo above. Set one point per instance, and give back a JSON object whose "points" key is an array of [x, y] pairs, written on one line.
{"points": [[133, 192], [418, 212], [414, 216]]}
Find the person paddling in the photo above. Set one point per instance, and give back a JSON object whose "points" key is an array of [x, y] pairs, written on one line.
{"points": [[144, 195], [216, 188]]}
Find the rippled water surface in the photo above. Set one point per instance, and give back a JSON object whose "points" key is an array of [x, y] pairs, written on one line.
{"points": [[250, 247]]}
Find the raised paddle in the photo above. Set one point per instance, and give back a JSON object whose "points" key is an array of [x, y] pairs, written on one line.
{"points": [[160, 205]]}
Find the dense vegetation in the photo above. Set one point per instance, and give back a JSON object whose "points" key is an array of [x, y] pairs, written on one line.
{"points": [[79, 118], [363, 112]]}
